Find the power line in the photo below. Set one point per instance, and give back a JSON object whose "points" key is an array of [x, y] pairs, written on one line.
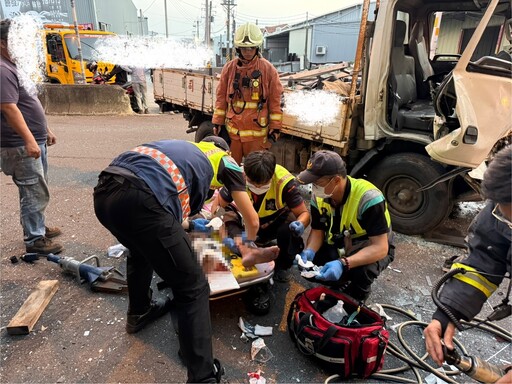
{"points": [[150, 5]]}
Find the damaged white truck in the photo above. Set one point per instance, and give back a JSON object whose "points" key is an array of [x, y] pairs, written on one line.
{"points": [[421, 113]]}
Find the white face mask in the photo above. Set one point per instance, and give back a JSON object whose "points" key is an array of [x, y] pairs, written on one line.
{"points": [[258, 190], [320, 191]]}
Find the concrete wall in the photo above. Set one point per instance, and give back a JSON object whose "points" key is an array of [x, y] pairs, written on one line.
{"points": [[90, 99]]}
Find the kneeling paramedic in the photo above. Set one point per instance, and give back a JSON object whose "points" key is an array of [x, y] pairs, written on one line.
{"points": [[351, 234], [142, 197], [282, 213]]}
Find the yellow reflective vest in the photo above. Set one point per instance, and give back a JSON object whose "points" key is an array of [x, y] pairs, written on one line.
{"points": [[351, 209], [215, 155], [273, 199]]}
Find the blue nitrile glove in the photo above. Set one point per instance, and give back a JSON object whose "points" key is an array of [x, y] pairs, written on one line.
{"points": [[307, 255], [331, 271], [297, 228], [230, 244], [200, 225]]}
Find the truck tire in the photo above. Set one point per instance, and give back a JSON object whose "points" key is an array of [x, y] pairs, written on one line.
{"points": [[399, 177], [205, 129]]}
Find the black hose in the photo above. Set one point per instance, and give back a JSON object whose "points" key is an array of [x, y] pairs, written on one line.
{"points": [[441, 306], [418, 362]]}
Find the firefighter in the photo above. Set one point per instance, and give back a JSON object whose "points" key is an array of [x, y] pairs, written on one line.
{"points": [[249, 94], [488, 261]]}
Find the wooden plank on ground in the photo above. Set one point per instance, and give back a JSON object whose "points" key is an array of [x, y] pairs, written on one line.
{"points": [[27, 316]]}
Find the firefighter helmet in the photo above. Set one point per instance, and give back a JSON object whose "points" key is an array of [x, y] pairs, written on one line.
{"points": [[248, 36]]}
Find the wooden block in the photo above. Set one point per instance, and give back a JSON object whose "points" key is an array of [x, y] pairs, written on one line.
{"points": [[32, 308]]}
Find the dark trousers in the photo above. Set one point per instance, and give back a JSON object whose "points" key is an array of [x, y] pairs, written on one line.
{"points": [[355, 282], [158, 243], [289, 245]]}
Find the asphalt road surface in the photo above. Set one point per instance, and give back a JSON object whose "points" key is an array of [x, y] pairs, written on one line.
{"points": [[80, 336]]}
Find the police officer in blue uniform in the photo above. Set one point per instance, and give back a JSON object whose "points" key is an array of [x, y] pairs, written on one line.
{"points": [[142, 198]]}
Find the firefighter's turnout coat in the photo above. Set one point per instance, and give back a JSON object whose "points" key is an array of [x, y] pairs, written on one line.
{"points": [[489, 242], [248, 99]]}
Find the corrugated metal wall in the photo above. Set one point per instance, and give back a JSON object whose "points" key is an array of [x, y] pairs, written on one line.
{"points": [[84, 12], [337, 32], [120, 16], [340, 42]]}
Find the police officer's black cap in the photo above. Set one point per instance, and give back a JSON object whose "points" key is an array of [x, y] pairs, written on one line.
{"points": [[322, 163]]}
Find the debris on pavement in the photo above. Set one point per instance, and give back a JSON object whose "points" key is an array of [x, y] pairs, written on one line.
{"points": [[116, 251], [260, 352], [256, 377], [252, 332], [27, 316]]}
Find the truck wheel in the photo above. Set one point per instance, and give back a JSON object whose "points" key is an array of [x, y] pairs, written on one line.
{"points": [[205, 129], [399, 177]]}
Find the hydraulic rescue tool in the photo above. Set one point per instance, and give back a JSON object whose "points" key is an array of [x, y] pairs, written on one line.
{"points": [[101, 279], [473, 366]]}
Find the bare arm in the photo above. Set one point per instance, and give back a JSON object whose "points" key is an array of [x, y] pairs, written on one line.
{"points": [[302, 214], [375, 251], [15, 119], [315, 239], [251, 219]]}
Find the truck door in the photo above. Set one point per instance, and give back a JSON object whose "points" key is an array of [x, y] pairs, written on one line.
{"points": [[475, 102], [56, 64]]}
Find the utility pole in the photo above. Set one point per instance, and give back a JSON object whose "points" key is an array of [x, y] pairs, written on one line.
{"points": [[228, 6], [207, 24], [233, 33], [306, 42], [78, 44], [141, 23], [166, 25]]}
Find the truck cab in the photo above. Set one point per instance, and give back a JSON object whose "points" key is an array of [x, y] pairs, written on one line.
{"points": [[435, 101], [428, 101], [62, 58]]}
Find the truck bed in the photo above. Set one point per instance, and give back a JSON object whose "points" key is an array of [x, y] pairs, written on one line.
{"points": [[195, 90]]}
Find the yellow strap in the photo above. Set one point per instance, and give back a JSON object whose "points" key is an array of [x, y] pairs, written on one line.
{"points": [[248, 132], [475, 279], [248, 104], [220, 112], [276, 116]]}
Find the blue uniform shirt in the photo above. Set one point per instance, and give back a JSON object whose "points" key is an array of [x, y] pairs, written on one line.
{"points": [[192, 163]]}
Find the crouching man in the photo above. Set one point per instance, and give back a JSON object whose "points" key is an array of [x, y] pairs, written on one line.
{"points": [[282, 213], [351, 236]]}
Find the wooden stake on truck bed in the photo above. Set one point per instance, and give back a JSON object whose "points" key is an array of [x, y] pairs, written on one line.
{"points": [[27, 316]]}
